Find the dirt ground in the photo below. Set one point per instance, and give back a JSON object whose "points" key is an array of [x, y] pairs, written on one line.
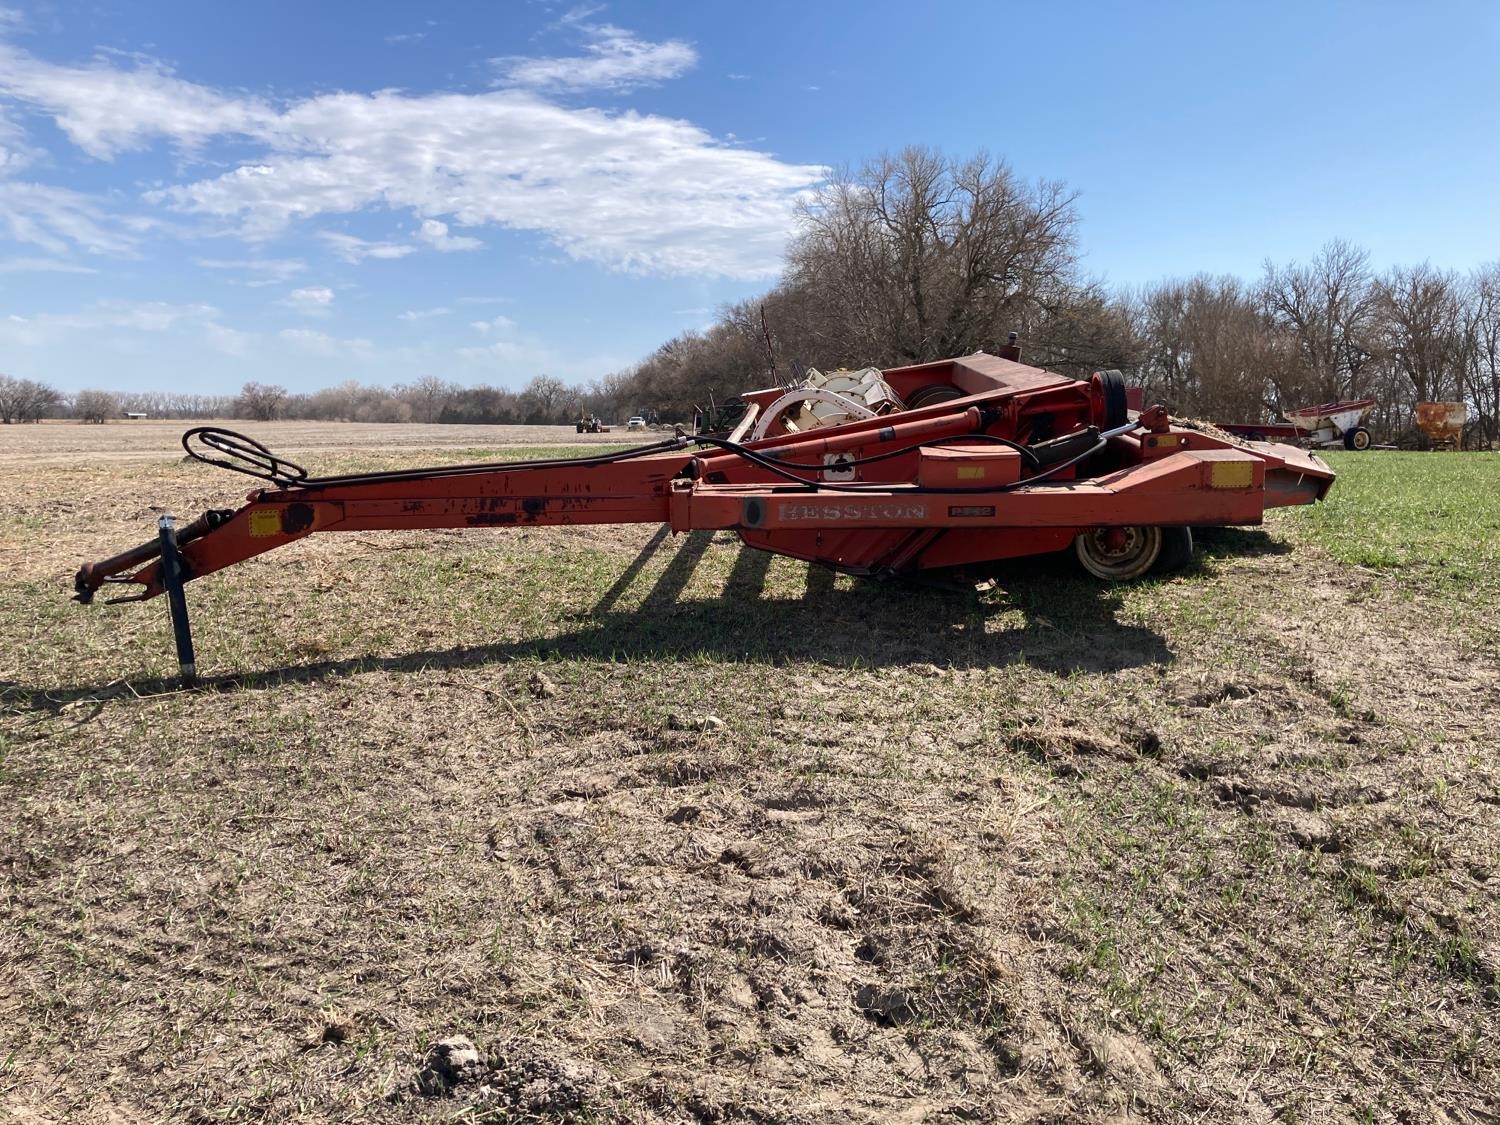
{"points": [[604, 825], [58, 443]]}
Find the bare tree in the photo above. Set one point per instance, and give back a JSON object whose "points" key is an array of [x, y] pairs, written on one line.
{"points": [[1421, 325], [1483, 316], [95, 406], [919, 256], [427, 396], [25, 400], [548, 399], [261, 401], [1327, 306]]}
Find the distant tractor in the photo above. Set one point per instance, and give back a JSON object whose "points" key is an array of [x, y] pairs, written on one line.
{"points": [[590, 424]]}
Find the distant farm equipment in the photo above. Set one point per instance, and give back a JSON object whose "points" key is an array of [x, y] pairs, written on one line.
{"points": [[1443, 422], [1327, 426], [589, 424]]}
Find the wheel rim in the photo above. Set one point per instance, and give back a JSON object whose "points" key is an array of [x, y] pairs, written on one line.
{"points": [[1361, 440], [1118, 554]]}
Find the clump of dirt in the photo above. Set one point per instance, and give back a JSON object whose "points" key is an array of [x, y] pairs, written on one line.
{"points": [[451, 1062], [519, 1081]]}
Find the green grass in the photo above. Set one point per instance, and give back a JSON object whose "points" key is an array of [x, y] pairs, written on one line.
{"points": [[1429, 521]]}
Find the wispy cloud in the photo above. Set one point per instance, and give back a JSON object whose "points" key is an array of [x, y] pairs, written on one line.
{"points": [[353, 249], [613, 59], [423, 314], [322, 344], [494, 324], [263, 271], [57, 219], [16, 151], [314, 300], [436, 235], [106, 316], [42, 265], [629, 191]]}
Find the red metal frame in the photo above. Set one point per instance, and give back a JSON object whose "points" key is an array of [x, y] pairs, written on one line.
{"points": [[926, 506]]}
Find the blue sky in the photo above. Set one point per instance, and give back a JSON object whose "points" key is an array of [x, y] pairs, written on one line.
{"points": [[196, 194]]}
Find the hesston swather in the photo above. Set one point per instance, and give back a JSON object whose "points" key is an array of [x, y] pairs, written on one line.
{"points": [[879, 474]]}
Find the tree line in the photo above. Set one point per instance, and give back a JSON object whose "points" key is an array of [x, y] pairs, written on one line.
{"points": [[917, 256]]}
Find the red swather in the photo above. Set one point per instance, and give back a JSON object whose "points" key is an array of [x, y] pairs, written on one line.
{"points": [[1007, 460]]}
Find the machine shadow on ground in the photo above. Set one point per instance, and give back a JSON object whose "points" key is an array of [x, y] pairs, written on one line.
{"points": [[1037, 612], [1069, 623]]}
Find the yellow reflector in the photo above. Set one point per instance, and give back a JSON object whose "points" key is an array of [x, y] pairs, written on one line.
{"points": [[1231, 474], [971, 472], [264, 524]]}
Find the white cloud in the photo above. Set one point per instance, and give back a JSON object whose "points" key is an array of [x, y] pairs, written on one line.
{"points": [[494, 324], [506, 351], [57, 219], [230, 341], [268, 271], [105, 109], [436, 235], [42, 265], [423, 314], [16, 152], [356, 250], [508, 345], [614, 60], [106, 316], [311, 300], [322, 344], [626, 190]]}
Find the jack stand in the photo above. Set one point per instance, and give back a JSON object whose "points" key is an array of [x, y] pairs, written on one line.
{"points": [[171, 577]]}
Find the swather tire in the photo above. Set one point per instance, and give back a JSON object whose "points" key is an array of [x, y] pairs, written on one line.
{"points": [[1116, 405], [1134, 560], [1176, 550]]}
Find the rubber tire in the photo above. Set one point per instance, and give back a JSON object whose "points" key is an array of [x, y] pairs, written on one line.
{"points": [[1176, 550], [580, 426], [932, 394], [1138, 567], [1116, 404], [1357, 439]]}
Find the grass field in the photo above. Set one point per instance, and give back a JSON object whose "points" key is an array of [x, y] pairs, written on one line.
{"points": [[673, 831]]}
